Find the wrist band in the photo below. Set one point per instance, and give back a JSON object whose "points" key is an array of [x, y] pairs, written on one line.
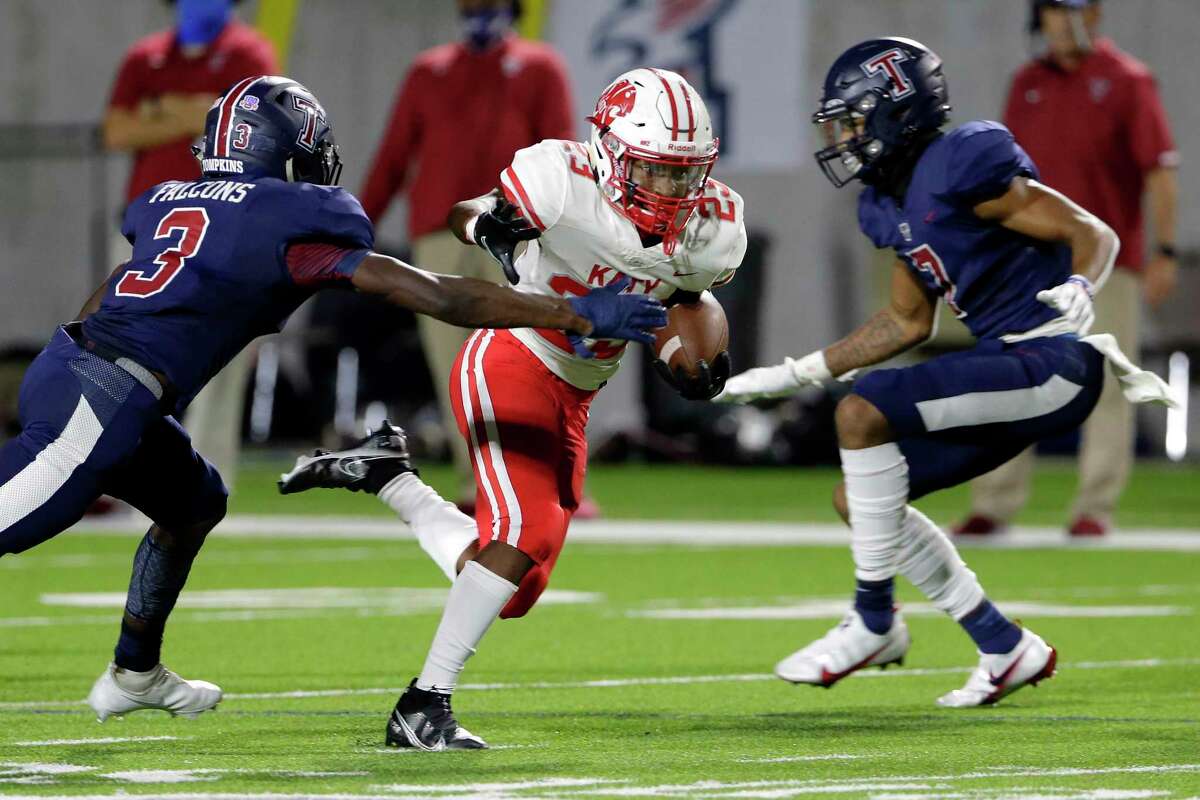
{"points": [[469, 230], [1083, 281]]}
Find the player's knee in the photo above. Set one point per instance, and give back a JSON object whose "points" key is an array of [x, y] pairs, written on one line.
{"points": [[839, 502], [859, 423]]}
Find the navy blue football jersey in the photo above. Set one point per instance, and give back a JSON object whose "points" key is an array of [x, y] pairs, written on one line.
{"points": [[210, 270], [988, 275]]}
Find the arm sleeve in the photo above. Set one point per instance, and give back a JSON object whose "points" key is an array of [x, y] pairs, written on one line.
{"points": [[322, 263], [389, 169], [1150, 140], [554, 118], [536, 183], [983, 164], [127, 89]]}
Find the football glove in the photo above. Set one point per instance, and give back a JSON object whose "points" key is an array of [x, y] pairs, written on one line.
{"points": [[1073, 300], [617, 316], [708, 381], [499, 231], [781, 380]]}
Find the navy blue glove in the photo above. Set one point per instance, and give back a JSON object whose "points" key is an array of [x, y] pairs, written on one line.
{"points": [[617, 316]]}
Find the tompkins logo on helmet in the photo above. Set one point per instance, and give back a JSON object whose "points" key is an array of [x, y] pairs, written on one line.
{"points": [[617, 101], [888, 62]]}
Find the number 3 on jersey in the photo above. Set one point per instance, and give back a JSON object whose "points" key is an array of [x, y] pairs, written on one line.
{"points": [[191, 224], [930, 262]]}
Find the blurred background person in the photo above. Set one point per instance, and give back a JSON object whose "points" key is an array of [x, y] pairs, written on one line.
{"points": [[1090, 116], [461, 112], [164, 87]]}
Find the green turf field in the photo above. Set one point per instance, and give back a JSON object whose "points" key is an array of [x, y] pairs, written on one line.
{"points": [[1159, 495], [641, 686]]}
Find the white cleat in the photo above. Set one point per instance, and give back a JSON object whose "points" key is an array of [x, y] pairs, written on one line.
{"points": [[1001, 674], [118, 691], [847, 648]]}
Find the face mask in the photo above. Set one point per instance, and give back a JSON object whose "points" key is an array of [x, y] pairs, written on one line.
{"points": [[201, 21], [484, 28]]}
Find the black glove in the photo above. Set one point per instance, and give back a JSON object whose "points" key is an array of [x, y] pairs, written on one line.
{"points": [[709, 380], [499, 231]]}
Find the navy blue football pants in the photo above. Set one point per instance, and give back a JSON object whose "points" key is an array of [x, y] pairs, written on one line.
{"points": [[90, 428], [960, 415]]}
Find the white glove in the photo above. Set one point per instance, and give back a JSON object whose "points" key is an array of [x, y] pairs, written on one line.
{"points": [[780, 380], [1073, 300]]}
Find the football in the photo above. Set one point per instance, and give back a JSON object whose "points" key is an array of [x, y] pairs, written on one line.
{"points": [[694, 332]]}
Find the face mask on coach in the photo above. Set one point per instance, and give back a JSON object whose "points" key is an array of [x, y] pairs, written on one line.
{"points": [[199, 22]]}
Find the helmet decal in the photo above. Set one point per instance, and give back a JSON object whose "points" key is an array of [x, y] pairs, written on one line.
{"points": [[313, 113], [227, 114], [887, 61], [617, 101]]}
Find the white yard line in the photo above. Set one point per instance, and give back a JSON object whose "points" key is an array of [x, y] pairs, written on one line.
{"points": [[835, 608], [105, 740], [685, 533], [616, 683]]}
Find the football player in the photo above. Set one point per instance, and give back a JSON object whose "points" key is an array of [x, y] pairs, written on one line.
{"points": [[633, 208], [1018, 263], [216, 262]]}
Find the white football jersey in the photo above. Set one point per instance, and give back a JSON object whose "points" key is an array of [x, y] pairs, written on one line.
{"points": [[586, 243]]}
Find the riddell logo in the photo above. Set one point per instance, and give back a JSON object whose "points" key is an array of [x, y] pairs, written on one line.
{"points": [[617, 101], [683, 148]]}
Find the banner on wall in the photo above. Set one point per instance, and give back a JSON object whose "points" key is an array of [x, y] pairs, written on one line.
{"points": [[745, 57]]}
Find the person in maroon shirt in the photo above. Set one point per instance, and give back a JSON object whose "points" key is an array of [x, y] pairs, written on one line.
{"points": [[461, 112], [168, 80], [1090, 116]]}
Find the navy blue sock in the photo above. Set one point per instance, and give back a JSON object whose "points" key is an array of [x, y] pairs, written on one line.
{"points": [[991, 630], [159, 574], [873, 602]]}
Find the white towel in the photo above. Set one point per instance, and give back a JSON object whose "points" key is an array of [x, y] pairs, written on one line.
{"points": [[1138, 385]]}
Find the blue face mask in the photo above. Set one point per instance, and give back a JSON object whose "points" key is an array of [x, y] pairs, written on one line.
{"points": [[198, 22], [484, 28]]}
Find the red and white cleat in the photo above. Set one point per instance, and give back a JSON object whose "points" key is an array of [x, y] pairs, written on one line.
{"points": [[847, 648], [999, 675]]}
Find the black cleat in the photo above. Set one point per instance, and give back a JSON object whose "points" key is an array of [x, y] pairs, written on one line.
{"points": [[424, 720], [367, 465]]}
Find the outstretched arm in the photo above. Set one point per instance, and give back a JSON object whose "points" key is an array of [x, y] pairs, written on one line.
{"points": [[905, 322], [466, 302]]}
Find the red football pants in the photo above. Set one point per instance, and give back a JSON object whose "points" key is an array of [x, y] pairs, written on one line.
{"points": [[525, 429]]}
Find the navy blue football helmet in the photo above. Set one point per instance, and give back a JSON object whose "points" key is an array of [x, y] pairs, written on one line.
{"points": [[269, 126], [878, 97]]}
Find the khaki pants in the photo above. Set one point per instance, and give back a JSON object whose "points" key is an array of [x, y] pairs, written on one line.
{"points": [[442, 252], [1106, 449]]}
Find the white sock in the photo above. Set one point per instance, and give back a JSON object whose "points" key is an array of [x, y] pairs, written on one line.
{"points": [[475, 600], [876, 494], [930, 562], [441, 529]]}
